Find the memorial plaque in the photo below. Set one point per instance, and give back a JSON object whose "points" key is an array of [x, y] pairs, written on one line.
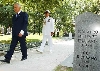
{"points": [[87, 42]]}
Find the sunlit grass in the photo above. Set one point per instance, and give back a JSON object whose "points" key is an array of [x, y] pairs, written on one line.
{"points": [[29, 38], [63, 68], [8, 37], [36, 36], [5, 37]]}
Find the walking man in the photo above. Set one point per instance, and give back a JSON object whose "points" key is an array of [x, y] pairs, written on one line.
{"points": [[19, 33], [48, 29]]}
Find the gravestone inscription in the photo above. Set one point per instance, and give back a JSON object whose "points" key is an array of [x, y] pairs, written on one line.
{"points": [[87, 43]]}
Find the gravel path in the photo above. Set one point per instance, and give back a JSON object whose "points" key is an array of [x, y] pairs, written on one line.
{"points": [[41, 62]]}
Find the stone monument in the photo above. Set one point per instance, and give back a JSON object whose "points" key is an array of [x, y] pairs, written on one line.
{"points": [[70, 35], [87, 42]]}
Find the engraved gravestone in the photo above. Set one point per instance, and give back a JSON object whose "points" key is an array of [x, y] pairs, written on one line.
{"points": [[87, 43]]}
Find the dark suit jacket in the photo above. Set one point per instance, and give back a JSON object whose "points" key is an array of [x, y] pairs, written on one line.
{"points": [[20, 23]]}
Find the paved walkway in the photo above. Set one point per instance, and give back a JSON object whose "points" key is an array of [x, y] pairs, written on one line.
{"points": [[41, 62]]}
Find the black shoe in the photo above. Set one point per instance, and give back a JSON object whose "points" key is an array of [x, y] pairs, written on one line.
{"points": [[5, 60], [23, 58]]}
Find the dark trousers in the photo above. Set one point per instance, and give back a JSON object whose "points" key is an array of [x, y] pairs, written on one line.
{"points": [[14, 42]]}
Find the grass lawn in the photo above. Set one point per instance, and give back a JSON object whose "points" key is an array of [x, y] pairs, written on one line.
{"points": [[7, 38], [29, 37], [36, 36], [63, 68]]}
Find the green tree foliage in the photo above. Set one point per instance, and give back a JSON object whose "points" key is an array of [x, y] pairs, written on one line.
{"points": [[63, 11], [6, 13]]}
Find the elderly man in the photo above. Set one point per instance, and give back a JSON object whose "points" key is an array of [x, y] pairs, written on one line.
{"points": [[48, 29], [19, 33]]}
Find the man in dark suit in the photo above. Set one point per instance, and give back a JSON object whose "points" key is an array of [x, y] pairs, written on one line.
{"points": [[19, 33]]}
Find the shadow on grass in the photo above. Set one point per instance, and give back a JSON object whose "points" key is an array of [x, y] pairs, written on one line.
{"points": [[63, 68]]}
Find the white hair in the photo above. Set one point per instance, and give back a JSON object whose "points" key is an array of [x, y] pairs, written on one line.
{"points": [[17, 4]]}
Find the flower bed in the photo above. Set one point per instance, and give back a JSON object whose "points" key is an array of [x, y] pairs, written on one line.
{"points": [[31, 43]]}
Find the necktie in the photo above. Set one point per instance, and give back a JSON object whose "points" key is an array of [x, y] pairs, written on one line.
{"points": [[17, 15]]}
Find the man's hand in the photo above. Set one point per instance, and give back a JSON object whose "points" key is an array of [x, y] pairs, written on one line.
{"points": [[51, 33], [20, 35]]}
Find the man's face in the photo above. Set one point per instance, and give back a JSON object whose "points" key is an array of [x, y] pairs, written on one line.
{"points": [[46, 14], [16, 8]]}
